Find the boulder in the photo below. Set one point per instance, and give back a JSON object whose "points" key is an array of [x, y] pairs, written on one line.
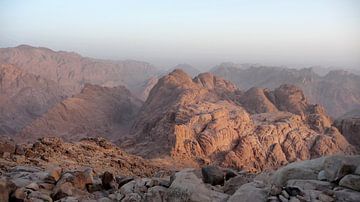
{"points": [[79, 179], [347, 195], [310, 185], [123, 180], [186, 186], [132, 197], [254, 192], [233, 184], [63, 190], [322, 176], [108, 181], [351, 181], [39, 196], [54, 174], [6, 187], [213, 175], [338, 166], [357, 171], [6, 146], [155, 194], [306, 170]]}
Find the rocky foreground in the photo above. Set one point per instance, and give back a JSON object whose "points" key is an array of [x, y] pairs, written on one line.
{"points": [[95, 170]]}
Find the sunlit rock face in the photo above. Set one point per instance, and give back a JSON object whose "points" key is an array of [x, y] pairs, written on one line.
{"points": [[208, 120]]}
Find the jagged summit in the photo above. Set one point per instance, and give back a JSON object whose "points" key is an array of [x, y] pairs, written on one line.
{"points": [[189, 69]]}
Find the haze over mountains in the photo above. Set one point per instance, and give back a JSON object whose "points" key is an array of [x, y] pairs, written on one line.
{"points": [[51, 77], [338, 91]]}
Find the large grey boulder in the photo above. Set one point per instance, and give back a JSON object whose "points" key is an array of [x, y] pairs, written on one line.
{"points": [[347, 195], [310, 184], [351, 181], [186, 186], [254, 192], [338, 166], [305, 170]]}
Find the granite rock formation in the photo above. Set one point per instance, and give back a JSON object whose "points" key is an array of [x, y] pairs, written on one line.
{"points": [[208, 120]]}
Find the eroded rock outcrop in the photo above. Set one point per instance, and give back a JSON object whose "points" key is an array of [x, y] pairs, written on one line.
{"points": [[207, 119]]}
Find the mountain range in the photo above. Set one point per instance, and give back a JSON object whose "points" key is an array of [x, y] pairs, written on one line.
{"points": [[74, 128], [338, 91], [249, 117]]}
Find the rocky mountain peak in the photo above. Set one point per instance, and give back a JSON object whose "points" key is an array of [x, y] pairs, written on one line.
{"points": [[290, 98], [211, 82], [192, 121]]}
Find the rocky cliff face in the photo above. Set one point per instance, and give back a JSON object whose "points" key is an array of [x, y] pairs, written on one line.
{"points": [[24, 97], [72, 71], [337, 91], [207, 119], [97, 110], [349, 126]]}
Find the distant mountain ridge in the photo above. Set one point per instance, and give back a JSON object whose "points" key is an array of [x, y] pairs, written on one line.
{"points": [[24, 97], [71, 70], [95, 111], [338, 91]]}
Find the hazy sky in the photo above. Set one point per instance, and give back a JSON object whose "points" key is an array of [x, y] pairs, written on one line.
{"points": [[199, 32]]}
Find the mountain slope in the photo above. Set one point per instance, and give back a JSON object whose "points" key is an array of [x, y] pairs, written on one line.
{"points": [[338, 91], [24, 97], [71, 70], [208, 120], [96, 111]]}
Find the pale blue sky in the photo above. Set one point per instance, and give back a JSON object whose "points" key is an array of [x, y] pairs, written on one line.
{"points": [[199, 32]]}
